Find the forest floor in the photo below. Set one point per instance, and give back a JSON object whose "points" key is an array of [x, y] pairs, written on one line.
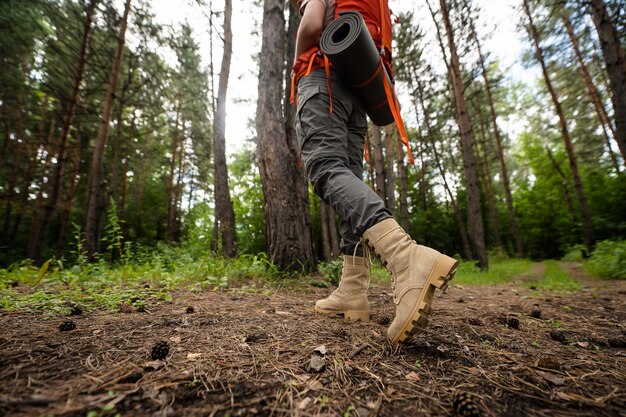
{"points": [[507, 350]]}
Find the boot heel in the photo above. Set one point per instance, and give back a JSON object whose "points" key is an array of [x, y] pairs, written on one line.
{"points": [[443, 272], [356, 315]]}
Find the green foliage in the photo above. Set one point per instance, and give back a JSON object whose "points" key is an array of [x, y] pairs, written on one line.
{"points": [[500, 271], [608, 260], [148, 276], [331, 270], [555, 280]]}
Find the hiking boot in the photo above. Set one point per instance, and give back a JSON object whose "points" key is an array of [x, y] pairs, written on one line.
{"points": [[350, 298], [416, 271]]}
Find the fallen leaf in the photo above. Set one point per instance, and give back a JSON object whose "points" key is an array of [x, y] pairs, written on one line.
{"points": [[315, 385], [583, 344], [552, 378], [412, 376], [304, 403], [175, 339], [284, 313], [193, 356]]}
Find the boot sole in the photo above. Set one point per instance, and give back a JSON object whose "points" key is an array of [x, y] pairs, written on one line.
{"points": [[439, 278], [347, 314]]}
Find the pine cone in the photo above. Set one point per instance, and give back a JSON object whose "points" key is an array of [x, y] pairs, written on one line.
{"points": [[464, 404], [160, 350], [190, 310], [66, 326], [558, 336]]}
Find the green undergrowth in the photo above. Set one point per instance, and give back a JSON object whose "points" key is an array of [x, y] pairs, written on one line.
{"points": [[555, 280], [608, 260], [140, 279], [500, 271]]}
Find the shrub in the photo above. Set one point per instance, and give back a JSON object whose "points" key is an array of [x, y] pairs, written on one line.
{"points": [[608, 260]]}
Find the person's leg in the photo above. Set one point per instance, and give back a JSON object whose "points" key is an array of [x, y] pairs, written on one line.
{"points": [[357, 129], [332, 152], [323, 139]]}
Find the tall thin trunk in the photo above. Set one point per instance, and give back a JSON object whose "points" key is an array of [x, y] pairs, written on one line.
{"points": [[66, 215], [482, 156], [330, 236], [41, 231], [564, 182], [474, 214], [224, 210], [615, 59], [578, 186], [96, 174], [288, 223], [379, 163], [504, 173], [598, 104], [178, 191], [403, 194], [370, 162], [390, 177], [171, 205]]}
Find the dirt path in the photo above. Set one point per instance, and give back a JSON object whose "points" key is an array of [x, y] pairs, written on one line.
{"points": [[245, 354]]}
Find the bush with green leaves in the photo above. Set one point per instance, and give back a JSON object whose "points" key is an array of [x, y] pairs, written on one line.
{"points": [[608, 260]]}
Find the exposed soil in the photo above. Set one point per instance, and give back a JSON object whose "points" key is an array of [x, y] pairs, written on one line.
{"points": [[246, 354]]}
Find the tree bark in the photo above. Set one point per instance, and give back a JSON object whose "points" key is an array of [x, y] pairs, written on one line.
{"points": [[96, 174], [390, 191], [578, 186], [615, 60], [474, 213], [288, 223], [41, 231], [596, 99], [403, 194], [379, 163], [482, 156], [171, 200], [223, 204]]}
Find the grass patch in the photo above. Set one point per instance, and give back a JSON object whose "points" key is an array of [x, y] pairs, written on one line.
{"points": [[500, 271], [139, 280], [555, 280]]}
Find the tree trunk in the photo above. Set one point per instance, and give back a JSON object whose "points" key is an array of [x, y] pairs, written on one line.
{"points": [[330, 236], [564, 183], [379, 163], [41, 231], [96, 174], [288, 223], [223, 204], [482, 156], [171, 204], [403, 195], [615, 60], [598, 104], [474, 214], [578, 186], [390, 191], [506, 183]]}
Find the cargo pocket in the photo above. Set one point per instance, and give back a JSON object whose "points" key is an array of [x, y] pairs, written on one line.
{"points": [[308, 114]]}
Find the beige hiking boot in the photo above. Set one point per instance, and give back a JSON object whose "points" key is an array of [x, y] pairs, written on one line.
{"points": [[416, 271], [350, 299]]}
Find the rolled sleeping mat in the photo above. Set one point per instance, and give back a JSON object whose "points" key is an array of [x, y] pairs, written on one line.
{"points": [[350, 48]]}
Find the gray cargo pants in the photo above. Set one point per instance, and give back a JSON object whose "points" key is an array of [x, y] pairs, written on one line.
{"points": [[332, 152]]}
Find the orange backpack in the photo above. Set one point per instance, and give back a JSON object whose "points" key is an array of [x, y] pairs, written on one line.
{"points": [[377, 17]]}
